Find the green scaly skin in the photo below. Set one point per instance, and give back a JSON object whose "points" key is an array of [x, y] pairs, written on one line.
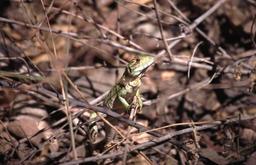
{"points": [[125, 94]]}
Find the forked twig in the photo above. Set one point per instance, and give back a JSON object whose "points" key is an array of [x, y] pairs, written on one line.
{"points": [[197, 21]]}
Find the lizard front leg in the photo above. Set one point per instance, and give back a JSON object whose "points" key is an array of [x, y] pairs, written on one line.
{"points": [[124, 102], [136, 105], [138, 101]]}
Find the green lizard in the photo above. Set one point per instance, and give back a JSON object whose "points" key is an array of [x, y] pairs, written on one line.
{"points": [[125, 95]]}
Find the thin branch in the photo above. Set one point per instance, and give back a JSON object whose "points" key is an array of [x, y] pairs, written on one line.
{"points": [[191, 59], [197, 21], [162, 31], [225, 54]]}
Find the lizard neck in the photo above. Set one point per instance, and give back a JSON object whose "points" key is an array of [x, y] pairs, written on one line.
{"points": [[128, 78]]}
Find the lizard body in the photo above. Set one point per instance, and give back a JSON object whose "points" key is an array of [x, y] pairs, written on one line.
{"points": [[125, 95]]}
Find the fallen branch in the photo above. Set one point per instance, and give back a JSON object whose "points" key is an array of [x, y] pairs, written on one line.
{"points": [[161, 140]]}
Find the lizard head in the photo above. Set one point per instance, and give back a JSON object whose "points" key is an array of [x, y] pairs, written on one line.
{"points": [[139, 65]]}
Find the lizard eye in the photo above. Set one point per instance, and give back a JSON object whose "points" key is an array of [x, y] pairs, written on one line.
{"points": [[133, 64], [136, 61]]}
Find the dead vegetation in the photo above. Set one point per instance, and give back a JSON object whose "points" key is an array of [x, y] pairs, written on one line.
{"points": [[58, 58]]}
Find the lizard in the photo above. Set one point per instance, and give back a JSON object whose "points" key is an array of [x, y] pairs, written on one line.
{"points": [[125, 93], [125, 96]]}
